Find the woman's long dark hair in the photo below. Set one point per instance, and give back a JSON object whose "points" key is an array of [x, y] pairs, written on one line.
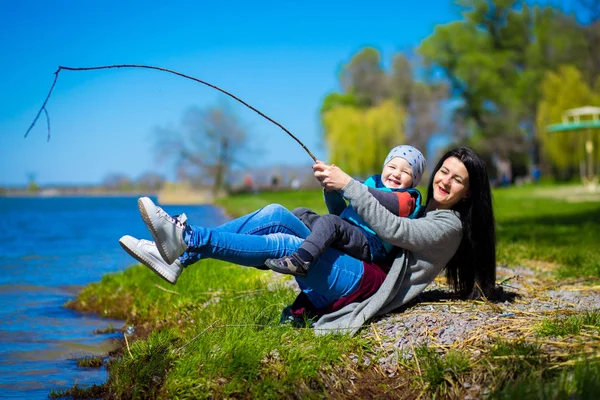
{"points": [[472, 269]]}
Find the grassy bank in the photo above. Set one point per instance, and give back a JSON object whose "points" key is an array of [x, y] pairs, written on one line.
{"points": [[547, 225], [216, 334]]}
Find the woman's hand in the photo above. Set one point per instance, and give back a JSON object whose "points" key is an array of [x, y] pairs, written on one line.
{"points": [[331, 176]]}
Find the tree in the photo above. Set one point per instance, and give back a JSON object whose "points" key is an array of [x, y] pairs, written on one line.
{"points": [[591, 26], [561, 91], [150, 181], [401, 80], [360, 139], [336, 99], [32, 187], [421, 99], [208, 144], [495, 59], [364, 78], [377, 110], [118, 182]]}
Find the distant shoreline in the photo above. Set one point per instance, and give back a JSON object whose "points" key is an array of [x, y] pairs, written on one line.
{"points": [[43, 194], [174, 196]]}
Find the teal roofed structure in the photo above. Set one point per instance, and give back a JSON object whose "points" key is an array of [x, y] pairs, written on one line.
{"points": [[571, 126], [583, 119]]}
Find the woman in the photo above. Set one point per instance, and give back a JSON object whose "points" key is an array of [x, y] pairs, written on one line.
{"points": [[456, 231]]}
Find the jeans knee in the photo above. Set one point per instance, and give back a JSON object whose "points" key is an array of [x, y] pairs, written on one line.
{"points": [[274, 208], [277, 212]]}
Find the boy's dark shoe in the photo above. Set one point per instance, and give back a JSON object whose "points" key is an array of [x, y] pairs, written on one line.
{"points": [[297, 321], [291, 265]]}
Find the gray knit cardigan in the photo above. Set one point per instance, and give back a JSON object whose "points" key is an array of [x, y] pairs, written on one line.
{"points": [[428, 244]]}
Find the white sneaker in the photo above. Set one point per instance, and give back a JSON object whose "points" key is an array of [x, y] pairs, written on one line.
{"points": [[166, 231], [147, 253]]}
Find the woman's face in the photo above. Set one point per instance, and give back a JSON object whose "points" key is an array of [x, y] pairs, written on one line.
{"points": [[450, 183]]}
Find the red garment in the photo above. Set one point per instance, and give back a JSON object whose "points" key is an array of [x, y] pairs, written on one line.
{"points": [[372, 279]]}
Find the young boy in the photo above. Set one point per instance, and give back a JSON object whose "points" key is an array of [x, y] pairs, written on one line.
{"points": [[344, 230]]}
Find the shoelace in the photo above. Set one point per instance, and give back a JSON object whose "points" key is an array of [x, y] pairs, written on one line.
{"points": [[178, 220]]}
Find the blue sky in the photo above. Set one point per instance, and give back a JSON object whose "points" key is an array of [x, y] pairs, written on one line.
{"points": [[282, 57]]}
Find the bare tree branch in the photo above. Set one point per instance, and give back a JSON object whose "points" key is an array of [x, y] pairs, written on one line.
{"points": [[47, 122], [60, 68]]}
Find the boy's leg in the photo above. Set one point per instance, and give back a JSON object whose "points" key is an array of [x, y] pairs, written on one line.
{"points": [[306, 215], [328, 230], [332, 231]]}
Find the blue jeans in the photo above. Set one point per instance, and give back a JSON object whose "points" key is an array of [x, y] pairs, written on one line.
{"points": [[274, 232]]}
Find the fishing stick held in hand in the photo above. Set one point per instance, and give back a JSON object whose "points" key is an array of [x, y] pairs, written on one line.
{"points": [[60, 68]]}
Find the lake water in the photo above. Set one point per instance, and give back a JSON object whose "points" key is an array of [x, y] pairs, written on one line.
{"points": [[49, 249]]}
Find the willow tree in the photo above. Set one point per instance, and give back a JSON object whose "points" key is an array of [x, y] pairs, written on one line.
{"points": [[560, 91], [359, 139]]}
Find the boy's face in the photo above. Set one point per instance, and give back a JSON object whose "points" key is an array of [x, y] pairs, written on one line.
{"points": [[397, 174]]}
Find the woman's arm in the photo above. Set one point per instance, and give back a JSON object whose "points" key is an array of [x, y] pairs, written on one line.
{"points": [[336, 204], [333, 179], [437, 228]]}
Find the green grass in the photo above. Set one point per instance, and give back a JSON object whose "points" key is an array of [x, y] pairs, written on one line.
{"points": [[510, 361], [79, 392], [539, 369], [245, 203], [577, 382], [440, 371], [533, 228], [216, 334], [90, 362], [109, 329], [571, 325]]}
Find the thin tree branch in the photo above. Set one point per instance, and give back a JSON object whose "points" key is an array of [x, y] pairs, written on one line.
{"points": [[47, 122], [194, 159], [44, 104], [60, 68]]}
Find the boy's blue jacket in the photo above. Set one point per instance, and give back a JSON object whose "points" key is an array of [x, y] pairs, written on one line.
{"points": [[374, 181], [337, 205]]}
